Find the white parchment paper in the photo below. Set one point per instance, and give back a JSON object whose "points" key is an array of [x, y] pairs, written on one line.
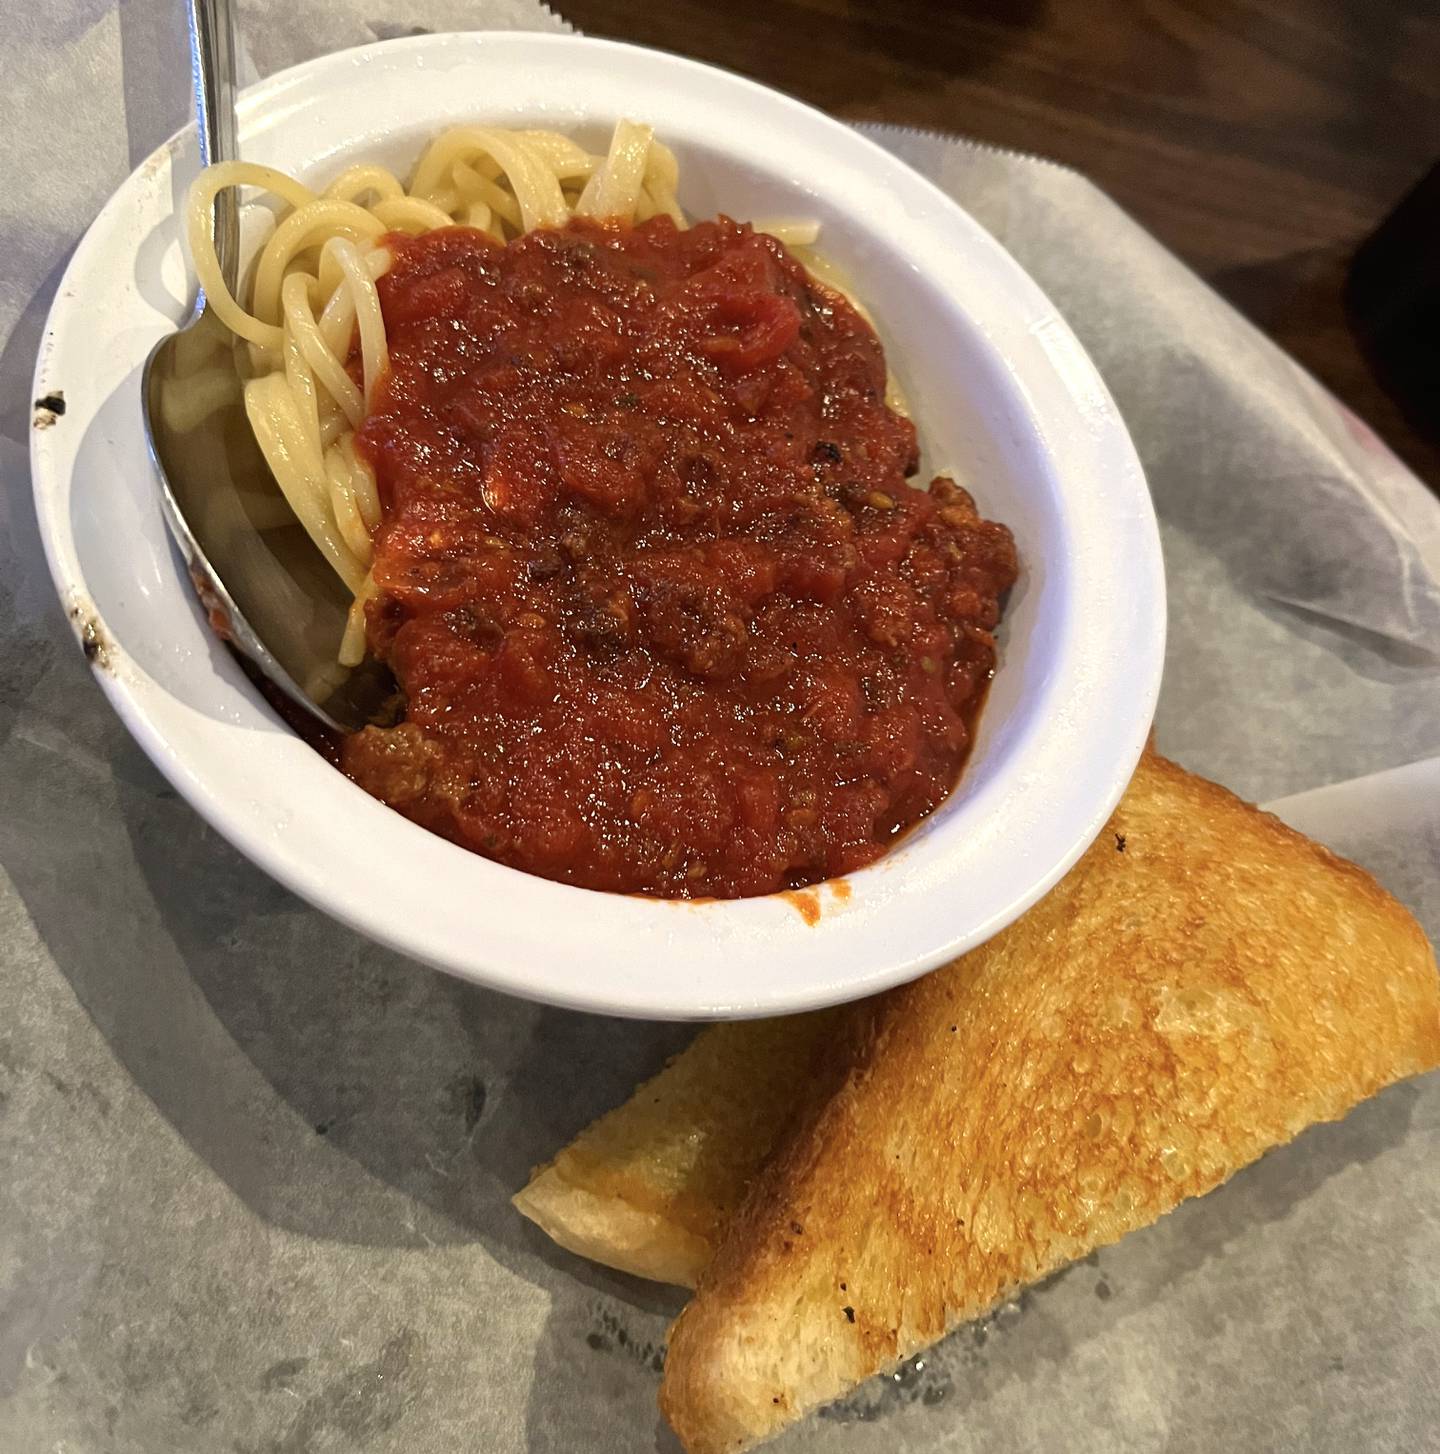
{"points": [[254, 1171]]}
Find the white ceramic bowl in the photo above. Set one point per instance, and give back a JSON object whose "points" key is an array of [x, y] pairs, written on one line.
{"points": [[1002, 392]]}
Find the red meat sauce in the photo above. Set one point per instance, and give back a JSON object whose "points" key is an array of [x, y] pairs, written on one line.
{"points": [[666, 615]]}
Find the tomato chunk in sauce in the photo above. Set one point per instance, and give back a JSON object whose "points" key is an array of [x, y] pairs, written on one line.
{"points": [[666, 614]]}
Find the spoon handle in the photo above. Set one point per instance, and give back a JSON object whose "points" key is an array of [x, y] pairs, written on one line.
{"points": [[212, 70]]}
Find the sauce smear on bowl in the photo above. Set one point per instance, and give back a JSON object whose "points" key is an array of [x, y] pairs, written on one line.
{"points": [[666, 614]]}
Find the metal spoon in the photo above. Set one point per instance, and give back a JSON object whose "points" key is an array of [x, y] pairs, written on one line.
{"points": [[267, 589]]}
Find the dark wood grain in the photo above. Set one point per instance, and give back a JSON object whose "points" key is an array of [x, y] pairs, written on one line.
{"points": [[1262, 140]]}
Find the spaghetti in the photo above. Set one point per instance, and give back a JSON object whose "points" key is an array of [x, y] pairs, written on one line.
{"points": [[661, 605]]}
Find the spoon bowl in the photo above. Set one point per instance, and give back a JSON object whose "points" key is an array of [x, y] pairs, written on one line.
{"points": [[266, 590]]}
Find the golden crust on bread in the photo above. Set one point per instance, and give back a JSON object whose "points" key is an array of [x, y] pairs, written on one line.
{"points": [[1202, 986]]}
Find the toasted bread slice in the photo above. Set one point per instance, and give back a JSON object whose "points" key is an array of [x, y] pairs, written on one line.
{"points": [[1202, 986], [648, 1187]]}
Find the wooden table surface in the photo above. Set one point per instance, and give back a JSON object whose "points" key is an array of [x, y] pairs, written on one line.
{"points": [[1262, 140]]}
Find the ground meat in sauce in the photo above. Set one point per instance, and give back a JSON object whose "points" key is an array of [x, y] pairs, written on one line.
{"points": [[666, 614]]}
